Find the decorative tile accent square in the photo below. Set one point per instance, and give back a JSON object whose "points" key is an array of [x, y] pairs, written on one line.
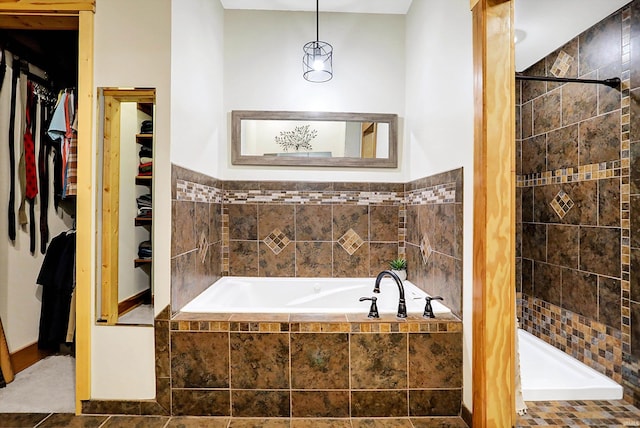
{"points": [[276, 241], [203, 246], [561, 66], [350, 241], [425, 249], [561, 204]]}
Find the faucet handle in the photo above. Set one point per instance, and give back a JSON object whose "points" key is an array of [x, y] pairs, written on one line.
{"points": [[373, 310], [428, 310]]}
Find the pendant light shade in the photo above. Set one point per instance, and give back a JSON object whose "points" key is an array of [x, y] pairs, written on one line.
{"points": [[317, 63]]}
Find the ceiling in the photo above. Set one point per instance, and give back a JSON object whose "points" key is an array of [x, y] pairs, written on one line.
{"points": [[547, 24], [347, 6]]}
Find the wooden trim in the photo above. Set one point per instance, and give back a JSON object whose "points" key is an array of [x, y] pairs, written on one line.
{"points": [[473, 4], [85, 211], [110, 209], [494, 215], [38, 22], [26, 357], [134, 301], [131, 95], [44, 6]]}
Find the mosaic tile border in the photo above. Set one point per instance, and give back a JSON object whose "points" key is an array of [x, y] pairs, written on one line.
{"points": [[329, 197], [318, 327], [596, 171], [195, 192], [402, 232], [630, 364], [439, 194], [591, 342]]}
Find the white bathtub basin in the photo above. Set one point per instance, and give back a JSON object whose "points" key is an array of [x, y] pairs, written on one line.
{"points": [[549, 374], [306, 295]]}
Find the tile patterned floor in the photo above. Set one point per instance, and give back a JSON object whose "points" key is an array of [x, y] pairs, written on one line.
{"points": [[541, 413], [580, 414], [45, 420]]}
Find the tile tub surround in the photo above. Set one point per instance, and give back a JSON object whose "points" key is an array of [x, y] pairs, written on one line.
{"points": [[434, 236], [311, 229], [307, 229], [196, 205], [302, 366], [577, 217], [281, 365]]}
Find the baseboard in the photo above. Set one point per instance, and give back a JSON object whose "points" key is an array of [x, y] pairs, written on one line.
{"points": [[466, 416], [26, 357], [134, 301]]}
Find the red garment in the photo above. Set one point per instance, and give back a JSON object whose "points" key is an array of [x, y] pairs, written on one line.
{"points": [[30, 150]]}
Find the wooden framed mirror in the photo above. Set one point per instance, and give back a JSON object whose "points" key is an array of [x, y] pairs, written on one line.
{"points": [[364, 140]]}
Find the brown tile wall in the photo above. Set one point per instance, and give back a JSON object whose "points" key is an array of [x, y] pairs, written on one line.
{"points": [[293, 229], [576, 198], [196, 244], [302, 366], [306, 229], [335, 366], [434, 237]]}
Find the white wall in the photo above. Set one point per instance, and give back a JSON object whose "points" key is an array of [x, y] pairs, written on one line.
{"points": [[439, 118], [263, 71], [133, 49], [198, 123], [20, 296]]}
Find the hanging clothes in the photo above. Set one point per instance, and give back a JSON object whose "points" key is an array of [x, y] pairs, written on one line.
{"points": [[31, 171], [12, 154], [57, 279], [63, 128], [43, 175]]}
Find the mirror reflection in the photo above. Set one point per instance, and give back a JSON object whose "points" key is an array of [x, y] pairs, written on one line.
{"points": [[314, 138], [126, 206]]}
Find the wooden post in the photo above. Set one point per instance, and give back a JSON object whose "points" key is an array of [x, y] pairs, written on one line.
{"points": [[494, 215], [85, 210]]}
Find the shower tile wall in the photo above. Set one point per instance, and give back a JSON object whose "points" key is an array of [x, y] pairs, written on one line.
{"points": [[576, 200]]}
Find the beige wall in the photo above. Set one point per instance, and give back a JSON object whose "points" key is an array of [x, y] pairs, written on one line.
{"points": [[136, 55], [439, 122]]}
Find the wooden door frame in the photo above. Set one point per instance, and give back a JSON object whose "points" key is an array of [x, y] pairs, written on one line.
{"points": [[494, 214], [84, 10], [112, 98]]}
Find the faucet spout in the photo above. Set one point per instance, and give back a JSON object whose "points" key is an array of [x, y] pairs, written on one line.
{"points": [[402, 304]]}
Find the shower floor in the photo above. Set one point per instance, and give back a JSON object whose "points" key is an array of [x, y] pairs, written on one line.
{"points": [[548, 374]]}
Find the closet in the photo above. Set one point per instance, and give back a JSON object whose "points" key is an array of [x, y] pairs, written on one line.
{"points": [[38, 185]]}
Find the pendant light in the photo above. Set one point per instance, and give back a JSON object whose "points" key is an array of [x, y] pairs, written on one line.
{"points": [[317, 63]]}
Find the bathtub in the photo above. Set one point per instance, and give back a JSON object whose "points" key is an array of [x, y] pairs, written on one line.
{"points": [[549, 374], [306, 295]]}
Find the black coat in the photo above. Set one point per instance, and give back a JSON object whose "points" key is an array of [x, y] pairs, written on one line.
{"points": [[57, 280]]}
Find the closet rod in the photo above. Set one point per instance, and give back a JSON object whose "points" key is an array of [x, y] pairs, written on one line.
{"points": [[24, 69], [613, 82]]}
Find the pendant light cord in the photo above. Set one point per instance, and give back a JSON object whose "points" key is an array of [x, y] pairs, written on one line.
{"points": [[317, 20]]}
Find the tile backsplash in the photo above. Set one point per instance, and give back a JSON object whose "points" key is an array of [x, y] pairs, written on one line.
{"points": [[306, 229]]}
